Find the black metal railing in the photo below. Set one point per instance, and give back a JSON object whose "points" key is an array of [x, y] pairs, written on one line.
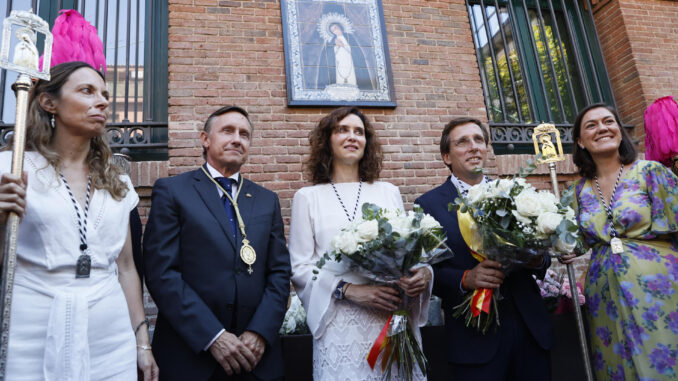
{"points": [[138, 121], [540, 61]]}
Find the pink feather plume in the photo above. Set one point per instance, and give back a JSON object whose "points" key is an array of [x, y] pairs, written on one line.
{"points": [[661, 130], [75, 39]]}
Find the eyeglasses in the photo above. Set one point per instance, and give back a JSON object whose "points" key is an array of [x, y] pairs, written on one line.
{"points": [[465, 142]]}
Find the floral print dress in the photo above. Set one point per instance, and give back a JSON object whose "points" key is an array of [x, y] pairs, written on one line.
{"points": [[632, 297]]}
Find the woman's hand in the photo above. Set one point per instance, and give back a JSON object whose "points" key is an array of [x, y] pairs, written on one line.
{"points": [[12, 195], [148, 369], [417, 282], [380, 297], [566, 259]]}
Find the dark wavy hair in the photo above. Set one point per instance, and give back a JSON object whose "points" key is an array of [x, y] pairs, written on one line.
{"points": [[582, 158], [319, 164]]}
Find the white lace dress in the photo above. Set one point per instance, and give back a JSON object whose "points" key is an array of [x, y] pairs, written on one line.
{"points": [[343, 332]]}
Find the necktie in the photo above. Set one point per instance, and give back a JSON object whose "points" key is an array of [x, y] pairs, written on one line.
{"points": [[227, 184]]}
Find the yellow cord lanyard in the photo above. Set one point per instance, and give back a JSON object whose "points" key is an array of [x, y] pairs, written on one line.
{"points": [[247, 253]]}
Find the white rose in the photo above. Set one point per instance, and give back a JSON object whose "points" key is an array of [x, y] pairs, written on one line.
{"points": [[522, 182], [476, 194], [429, 223], [346, 243], [564, 247], [401, 225], [368, 230], [521, 218], [527, 203], [505, 185], [548, 222], [569, 214], [548, 201]]}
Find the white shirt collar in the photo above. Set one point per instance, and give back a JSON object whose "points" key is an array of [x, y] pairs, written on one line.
{"points": [[462, 186], [215, 174]]}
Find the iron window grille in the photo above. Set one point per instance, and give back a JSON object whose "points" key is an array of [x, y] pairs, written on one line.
{"points": [[540, 61], [134, 35]]}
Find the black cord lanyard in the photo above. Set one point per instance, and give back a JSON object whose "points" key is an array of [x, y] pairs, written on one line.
{"points": [[83, 265]]}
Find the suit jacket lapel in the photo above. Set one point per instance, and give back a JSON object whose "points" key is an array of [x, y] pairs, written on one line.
{"points": [[209, 195], [449, 191]]}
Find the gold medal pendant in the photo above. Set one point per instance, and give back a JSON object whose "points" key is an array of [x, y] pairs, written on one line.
{"points": [[248, 255], [616, 245]]}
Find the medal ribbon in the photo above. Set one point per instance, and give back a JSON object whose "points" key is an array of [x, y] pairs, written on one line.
{"points": [[234, 201]]}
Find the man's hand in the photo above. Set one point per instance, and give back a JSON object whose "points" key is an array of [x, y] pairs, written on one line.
{"points": [[232, 354], [255, 343], [486, 274], [417, 283]]}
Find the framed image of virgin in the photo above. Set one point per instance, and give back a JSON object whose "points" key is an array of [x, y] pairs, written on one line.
{"points": [[336, 53]]}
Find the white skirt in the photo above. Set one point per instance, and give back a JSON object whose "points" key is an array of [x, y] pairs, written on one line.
{"points": [[65, 329]]}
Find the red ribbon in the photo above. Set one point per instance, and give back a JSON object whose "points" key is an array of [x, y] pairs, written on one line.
{"points": [[481, 301], [379, 344]]}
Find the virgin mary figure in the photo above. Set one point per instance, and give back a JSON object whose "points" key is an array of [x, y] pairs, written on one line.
{"points": [[342, 60]]}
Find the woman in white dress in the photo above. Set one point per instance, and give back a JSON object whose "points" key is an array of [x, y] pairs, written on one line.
{"points": [[77, 312], [344, 312]]}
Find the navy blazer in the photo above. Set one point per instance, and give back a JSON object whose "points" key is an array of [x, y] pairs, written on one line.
{"points": [[198, 281], [467, 345]]}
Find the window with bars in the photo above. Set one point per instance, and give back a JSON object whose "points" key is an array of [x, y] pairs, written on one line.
{"points": [[134, 34], [540, 62]]}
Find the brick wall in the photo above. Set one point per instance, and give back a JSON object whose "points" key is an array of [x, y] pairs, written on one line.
{"points": [[641, 51], [231, 52]]}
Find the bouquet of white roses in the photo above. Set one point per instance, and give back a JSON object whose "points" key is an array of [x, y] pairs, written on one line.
{"points": [[383, 246], [511, 212], [509, 221]]}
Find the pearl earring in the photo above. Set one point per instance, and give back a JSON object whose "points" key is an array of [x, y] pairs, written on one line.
{"points": [[51, 121]]}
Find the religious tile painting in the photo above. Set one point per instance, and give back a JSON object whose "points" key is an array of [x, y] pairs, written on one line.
{"points": [[336, 53]]}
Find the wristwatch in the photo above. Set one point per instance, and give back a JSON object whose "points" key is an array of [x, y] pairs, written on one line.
{"points": [[339, 291]]}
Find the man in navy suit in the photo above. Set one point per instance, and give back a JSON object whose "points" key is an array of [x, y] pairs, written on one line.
{"points": [[219, 312], [519, 348]]}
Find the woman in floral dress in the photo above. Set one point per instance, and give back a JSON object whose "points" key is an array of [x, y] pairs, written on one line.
{"points": [[628, 214]]}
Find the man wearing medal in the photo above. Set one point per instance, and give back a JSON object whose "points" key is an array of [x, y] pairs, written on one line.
{"points": [[217, 265], [519, 348]]}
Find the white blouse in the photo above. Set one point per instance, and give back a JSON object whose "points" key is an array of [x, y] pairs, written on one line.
{"points": [[48, 233]]}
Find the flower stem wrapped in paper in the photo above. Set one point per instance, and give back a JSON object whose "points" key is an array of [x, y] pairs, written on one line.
{"points": [[383, 246], [509, 221]]}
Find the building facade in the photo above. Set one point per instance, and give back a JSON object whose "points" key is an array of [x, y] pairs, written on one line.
{"points": [[512, 63]]}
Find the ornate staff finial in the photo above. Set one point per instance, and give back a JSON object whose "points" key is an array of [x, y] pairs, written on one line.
{"points": [[25, 55], [543, 138]]}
